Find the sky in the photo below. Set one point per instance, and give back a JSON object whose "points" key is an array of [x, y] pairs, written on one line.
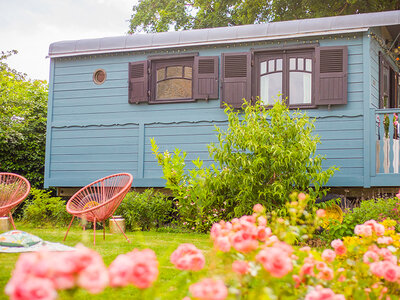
{"points": [[30, 26]]}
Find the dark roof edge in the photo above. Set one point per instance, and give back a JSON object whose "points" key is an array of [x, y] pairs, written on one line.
{"points": [[226, 35]]}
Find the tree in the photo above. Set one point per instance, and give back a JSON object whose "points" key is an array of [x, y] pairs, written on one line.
{"points": [[164, 15], [23, 108]]}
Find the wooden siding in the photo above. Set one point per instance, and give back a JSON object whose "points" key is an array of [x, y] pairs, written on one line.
{"points": [[93, 131]]}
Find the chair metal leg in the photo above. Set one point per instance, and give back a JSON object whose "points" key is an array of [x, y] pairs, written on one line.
{"points": [[94, 232], [121, 229], [104, 230], [12, 221], [73, 217]]}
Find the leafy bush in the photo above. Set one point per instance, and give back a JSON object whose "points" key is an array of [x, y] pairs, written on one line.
{"points": [[41, 208], [146, 210], [260, 157], [23, 109]]}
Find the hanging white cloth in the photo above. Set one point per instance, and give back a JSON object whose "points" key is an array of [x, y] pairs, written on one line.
{"points": [[395, 156], [378, 159], [386, 150]]}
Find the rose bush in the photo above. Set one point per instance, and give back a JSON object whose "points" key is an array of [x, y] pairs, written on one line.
{"points": [[255, 257]]}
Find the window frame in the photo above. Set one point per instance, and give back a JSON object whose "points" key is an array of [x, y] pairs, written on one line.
{"points": [[165, 63], [392, 84], [305, 51]]}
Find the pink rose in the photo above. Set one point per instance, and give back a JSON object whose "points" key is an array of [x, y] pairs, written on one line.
{"points": [[209, 289], [222, 243], [241, 267], [323, 294], [301, 196], [391, 272], [258, 208], [145, 268], [275, 261], [244, 241], [387, 240], [94, 278], [32, 288], [370, 256], [321, 213], [328, 255], [188, 257], [262, 221], [325, 274], [120, 271], [339, 247], [307, 269], [263, 233]]}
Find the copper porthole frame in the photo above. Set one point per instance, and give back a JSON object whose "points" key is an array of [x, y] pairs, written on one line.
{"points": [[95, 80]]}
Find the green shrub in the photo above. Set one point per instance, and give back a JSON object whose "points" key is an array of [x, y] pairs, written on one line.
{"points": [[146, 210], [41, 209], [261, 157]]}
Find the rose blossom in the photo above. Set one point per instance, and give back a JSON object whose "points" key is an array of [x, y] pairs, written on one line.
{"points": [[188, 257], [145, 268], [275, 261], [244, 241], [222, 243], [258, 208], [321, 213], [120, 271], [94, 278], [387, 240], [328, 255], [339, 247], [32, 288], [323, 294], [370, 256], [240, 267], [209, 289], [326, 274]]}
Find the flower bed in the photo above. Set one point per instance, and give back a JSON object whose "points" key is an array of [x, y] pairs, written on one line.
{"points": [[254, 259]]}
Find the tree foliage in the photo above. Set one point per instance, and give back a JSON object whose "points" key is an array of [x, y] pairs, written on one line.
{"points": [[23, 108], [164, 15]]}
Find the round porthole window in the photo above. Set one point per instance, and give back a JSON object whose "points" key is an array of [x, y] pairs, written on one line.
{"points": [[99, 76]]}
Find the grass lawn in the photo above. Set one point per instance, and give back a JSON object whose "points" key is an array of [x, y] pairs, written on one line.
{"points": [[162, 243]]}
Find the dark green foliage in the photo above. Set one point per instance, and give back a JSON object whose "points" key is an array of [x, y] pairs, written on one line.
{"points": [[162, 15], [147, 210], [262, 157], [23, 109], [42, 209]]}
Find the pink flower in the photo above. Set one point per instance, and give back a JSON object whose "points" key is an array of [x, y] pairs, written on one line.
{"points": [[321, 213], [328, 255], [275, 261], [301, 196], [262, 221], [339, 247], [325, 274], [387, 240], [209, 289], [94, 278], [398, 195], [363, 230], [307, 269], [222, 243], [145, 268], [188, 257], [305, 249], [32, 288], [120, 271], [370, 256], [391, 272], [323, 294], [263, 233], [244, 241], [241, 267], [258, 208]]}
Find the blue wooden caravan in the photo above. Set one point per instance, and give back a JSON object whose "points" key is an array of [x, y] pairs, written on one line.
{"points": [[109, 96]]}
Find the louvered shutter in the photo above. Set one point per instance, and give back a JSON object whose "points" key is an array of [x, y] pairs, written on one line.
{"points": [[331, 75], [138, 82], [205, 77], [236, 78]]}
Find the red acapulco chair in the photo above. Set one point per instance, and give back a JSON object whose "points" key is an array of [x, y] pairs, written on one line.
{"points": [[98, 201], [13, 190]]}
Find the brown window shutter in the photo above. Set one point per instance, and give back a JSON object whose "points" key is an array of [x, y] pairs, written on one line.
{"points": [[236, 78], [138, 82], [331, 75], [205, 77]]}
